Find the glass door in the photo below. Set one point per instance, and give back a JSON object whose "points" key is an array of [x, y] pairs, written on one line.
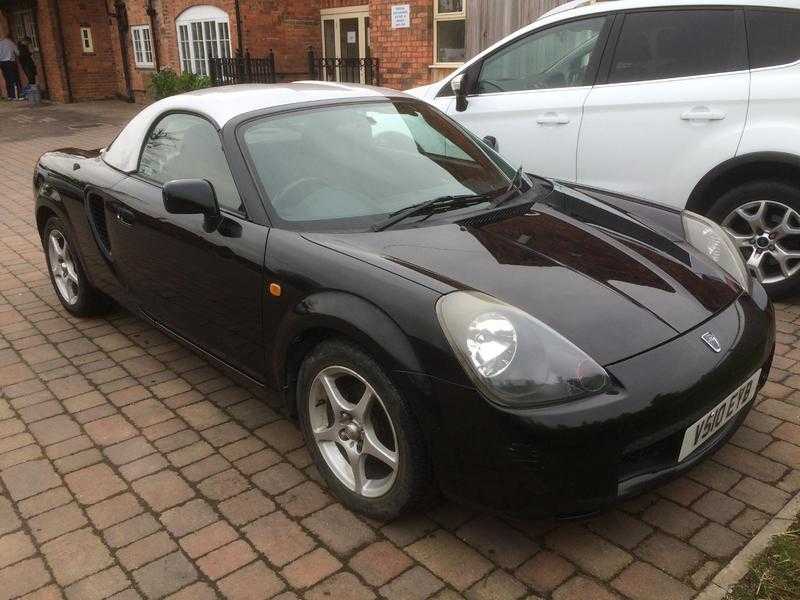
{"points": [[349, 47], [345, 37]]}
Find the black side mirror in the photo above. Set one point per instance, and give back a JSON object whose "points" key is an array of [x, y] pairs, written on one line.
{"points": [[491, 141], [458, 85], [192, 197]]}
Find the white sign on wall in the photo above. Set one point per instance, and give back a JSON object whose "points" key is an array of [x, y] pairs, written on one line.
{"points": [[351, 37], [401, 16]]}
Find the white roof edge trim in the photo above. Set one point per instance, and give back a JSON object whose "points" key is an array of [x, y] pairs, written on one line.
{"points": [[202, 12], [566, 7]]}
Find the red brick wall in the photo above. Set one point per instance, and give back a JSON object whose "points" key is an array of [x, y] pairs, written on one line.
{"points": [[405, 54], [288, 28], [91, 74], [140, 76]]}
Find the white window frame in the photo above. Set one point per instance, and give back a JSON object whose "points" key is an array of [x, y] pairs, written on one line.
{"points": [[439, 17], [142, 41], [87, 43], [25, 26], [213, 26]]}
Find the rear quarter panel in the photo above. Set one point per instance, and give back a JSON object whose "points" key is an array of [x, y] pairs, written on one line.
{"points": [[773, 122], [66, 176]]}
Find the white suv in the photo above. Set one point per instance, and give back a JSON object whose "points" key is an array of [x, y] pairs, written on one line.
{"points": [[686, 104]]}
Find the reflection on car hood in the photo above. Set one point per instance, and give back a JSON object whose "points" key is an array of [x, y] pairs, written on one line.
{"points": [[603, 279]]}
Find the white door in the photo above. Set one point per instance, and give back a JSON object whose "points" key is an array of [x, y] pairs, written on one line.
{"points": [[529, 95], [345, 35], [674, 105]]}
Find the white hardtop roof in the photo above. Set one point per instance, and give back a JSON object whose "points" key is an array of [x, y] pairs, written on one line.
{"points": [[221, 104]]}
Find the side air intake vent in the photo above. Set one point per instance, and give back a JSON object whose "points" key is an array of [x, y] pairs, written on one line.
{"points": [[97, 219]]}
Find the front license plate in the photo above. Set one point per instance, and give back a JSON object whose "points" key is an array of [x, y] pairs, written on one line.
{"points": [[723, 412]]}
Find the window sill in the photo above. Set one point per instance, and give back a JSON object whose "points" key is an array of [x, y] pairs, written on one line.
{"points": [[446, 65], [145, 67]]}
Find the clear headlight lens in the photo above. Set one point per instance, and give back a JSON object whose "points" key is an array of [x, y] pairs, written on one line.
{"points": [[491, 344], [513, 358], [712, 241]]}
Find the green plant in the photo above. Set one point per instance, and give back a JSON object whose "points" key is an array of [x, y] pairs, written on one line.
{"points": [[167, 82]]}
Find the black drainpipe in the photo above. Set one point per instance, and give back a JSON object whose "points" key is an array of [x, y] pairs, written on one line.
{"points": [[151, 12], [239, 37], [63, 45], [46, 91], [121, 14]]}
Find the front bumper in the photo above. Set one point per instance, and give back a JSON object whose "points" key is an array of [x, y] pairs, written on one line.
{"points": [[577, 457]]}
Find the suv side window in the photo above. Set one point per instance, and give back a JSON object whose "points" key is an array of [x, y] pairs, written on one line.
{"points": [[556, 57], [678, 43], [184, 146], [774, 37]]}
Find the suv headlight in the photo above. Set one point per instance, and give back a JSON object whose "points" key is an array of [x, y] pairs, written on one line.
{"points": [[513, 358], [712, 241]]}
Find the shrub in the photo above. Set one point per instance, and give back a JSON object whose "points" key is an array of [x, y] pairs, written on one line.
{"points": [[167, 82]]}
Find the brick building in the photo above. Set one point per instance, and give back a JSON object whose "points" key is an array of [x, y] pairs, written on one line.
{"points": [[93, 49]]}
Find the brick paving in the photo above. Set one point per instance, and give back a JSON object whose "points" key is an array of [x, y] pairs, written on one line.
{"points": [[130, 468]]}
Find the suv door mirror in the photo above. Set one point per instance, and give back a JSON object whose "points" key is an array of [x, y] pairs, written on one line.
{"points": [[458, 85], [192, 197]]}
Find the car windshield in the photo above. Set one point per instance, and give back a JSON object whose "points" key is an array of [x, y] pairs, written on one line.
{"points": [[351, 165]]}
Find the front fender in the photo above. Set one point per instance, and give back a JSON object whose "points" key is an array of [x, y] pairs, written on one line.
{"points": [[352, 317]]}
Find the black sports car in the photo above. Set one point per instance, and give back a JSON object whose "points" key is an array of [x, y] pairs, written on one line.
{"points": [[435, 319]]}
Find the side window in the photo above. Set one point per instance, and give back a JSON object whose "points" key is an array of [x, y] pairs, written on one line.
{"points": [[678, 43], [774, 37], [183, 146], [554, 58]]}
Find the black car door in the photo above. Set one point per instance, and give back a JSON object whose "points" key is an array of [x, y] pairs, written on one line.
{"points": [[205, 285]]}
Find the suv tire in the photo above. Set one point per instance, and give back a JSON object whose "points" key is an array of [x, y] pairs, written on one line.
{"points": [[763, 217]]}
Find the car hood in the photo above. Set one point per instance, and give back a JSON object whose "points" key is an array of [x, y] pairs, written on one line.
{"points": [[425, 92], [611, 284]]}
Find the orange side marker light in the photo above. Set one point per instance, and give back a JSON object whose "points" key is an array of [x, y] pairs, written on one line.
{"points": [[275, 289]]}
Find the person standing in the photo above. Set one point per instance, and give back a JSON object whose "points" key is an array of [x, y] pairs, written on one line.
{"points": [[8, 66], [26, 60]]}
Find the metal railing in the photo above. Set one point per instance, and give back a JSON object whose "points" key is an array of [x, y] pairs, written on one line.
{"points": [[347, 70], [242, 69]]}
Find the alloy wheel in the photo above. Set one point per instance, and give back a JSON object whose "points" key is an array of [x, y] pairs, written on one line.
{"points": [[767, 234], [353, 431], [63, 267]]}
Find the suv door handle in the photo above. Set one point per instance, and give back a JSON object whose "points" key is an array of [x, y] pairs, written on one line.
{"points": [[551, 118], [703, 113]]}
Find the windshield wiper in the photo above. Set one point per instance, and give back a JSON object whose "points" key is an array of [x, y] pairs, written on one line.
{"points": [[514, 190], [428, 207]]}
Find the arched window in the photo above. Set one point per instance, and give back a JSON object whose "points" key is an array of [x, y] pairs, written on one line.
{"points": [[203, 33]]}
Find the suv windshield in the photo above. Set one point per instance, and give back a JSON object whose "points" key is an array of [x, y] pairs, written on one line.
{"points": [[351, 165]]}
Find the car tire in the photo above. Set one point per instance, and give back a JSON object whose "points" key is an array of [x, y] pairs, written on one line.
{"points": [[768, 247], [69, 281], [385, 493]]}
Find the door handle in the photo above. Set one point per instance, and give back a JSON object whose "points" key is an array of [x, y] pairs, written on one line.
{"points": [[124, 216], [551, 118], [703, 113]]}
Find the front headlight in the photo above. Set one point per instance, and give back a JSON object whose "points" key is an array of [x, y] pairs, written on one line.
{"points": [[712, 241], [513, 358]]}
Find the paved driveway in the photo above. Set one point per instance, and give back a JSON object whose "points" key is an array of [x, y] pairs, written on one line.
{"points": [[131, 468]]}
